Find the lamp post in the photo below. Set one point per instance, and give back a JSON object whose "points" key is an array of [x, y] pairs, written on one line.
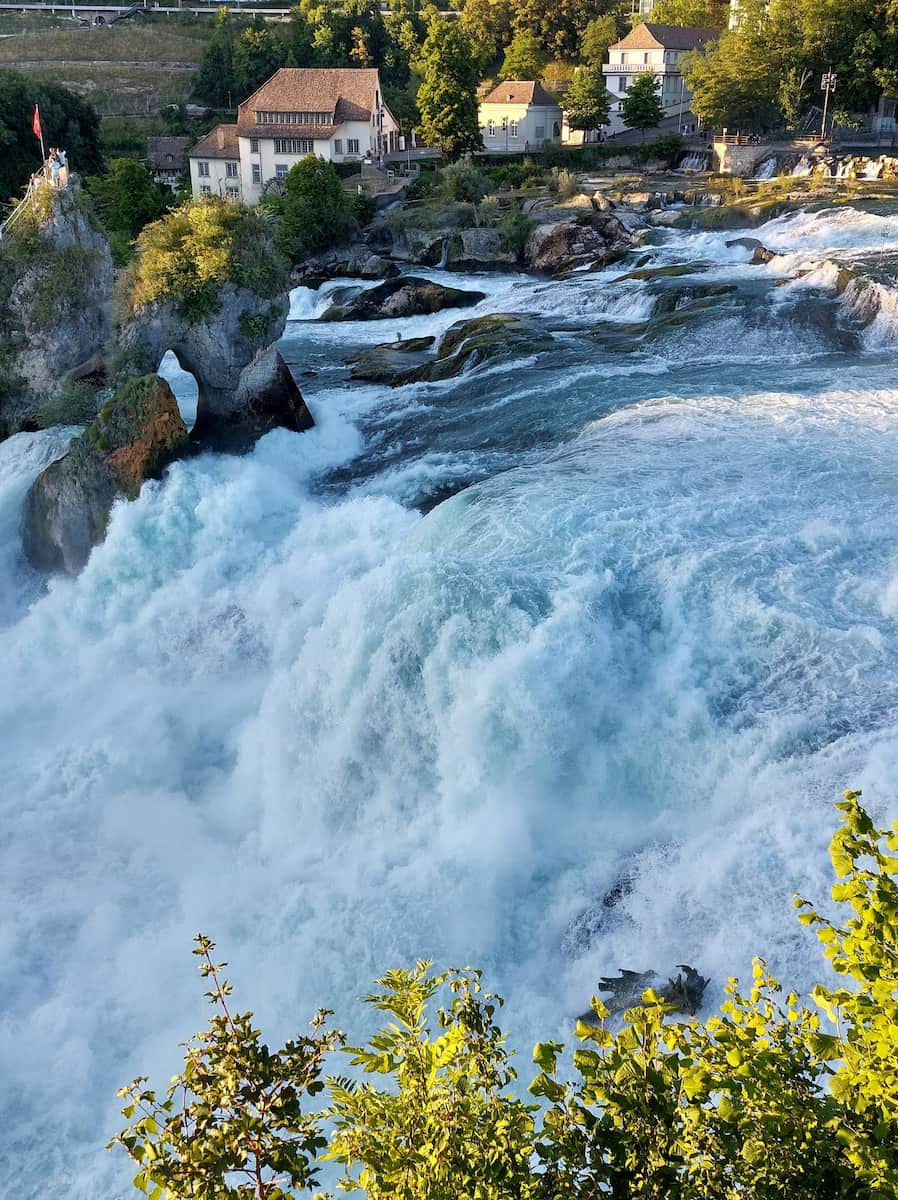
{"points": [[828, 85], [505, 127]]}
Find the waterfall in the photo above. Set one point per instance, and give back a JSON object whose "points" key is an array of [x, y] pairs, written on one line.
{"points": [[696, 160], [803, 167], [873, 169], [768, 168]]}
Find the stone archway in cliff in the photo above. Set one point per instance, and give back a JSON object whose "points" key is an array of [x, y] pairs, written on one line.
{"points": [[184, 385]]}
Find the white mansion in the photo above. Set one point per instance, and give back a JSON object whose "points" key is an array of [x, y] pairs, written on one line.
{"points": [[336, 113], [660, 49]]}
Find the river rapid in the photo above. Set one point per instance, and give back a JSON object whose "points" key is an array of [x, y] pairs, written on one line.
{"points": [[432, 678]]}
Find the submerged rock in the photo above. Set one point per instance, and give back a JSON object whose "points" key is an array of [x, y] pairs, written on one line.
{"points": [[133, 438], [684, 993], [760, 256], [390, 363], [402, 297], [589, 239]]}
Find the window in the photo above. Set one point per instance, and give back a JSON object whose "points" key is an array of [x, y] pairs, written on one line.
{"points": [[202, 170], [352, 145], [205, 190], [622, 83], [540, 132], [231, 170], [294, 118], [645, 58], [623, 57], [280, 170], [513, 128], [254, 145], [257, 173], [491, 128], [338, 145], [293, 145], [232, 192]]}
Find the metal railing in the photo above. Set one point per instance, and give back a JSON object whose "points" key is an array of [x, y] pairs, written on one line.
{"points": [[37, 181]]}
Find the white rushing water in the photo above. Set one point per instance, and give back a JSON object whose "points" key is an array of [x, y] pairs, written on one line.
{"points": [[297, 702]]}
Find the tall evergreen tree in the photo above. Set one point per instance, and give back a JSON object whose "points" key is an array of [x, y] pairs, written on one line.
{"points": [[447, 98]]}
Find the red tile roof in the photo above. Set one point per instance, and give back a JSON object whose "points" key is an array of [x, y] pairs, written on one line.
{"points": [[651, 36], [347, 92], [220, 142], [520, 91]]}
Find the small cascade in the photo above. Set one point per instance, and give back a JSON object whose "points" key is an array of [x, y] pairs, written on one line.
{"points": [[843, 170], [873, 169], [768, 168], [803, 167], [695, 160], [444, 254]]}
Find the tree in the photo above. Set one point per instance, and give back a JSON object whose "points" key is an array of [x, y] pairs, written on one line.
{"points": [[447, 1124], [524, 58], [127, 198], [488, 24], [561, 24], [586, 101], [314, 213], [707, 14], [233, 1122], [600, 33], [642, 108], [66, 120], [256, 56], [216, 83], [447, 98]]}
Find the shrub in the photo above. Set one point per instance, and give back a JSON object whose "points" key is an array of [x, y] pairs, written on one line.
{"points": [[191, 253], [75, 404], [566, 183], [363, 207]]}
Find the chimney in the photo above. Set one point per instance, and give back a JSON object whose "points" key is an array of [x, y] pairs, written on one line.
{"points": [[220, 136]]}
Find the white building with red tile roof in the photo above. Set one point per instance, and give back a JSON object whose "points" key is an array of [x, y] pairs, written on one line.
{"points": [[518, 116], [661, 49], [337, 113]]}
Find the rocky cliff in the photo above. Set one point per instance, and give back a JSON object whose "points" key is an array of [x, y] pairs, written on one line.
{"points": [[56, 278], [132, 439], [244, 386]]}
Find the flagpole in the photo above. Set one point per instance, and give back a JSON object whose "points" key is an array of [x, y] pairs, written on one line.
{"points": [[37, 113]]}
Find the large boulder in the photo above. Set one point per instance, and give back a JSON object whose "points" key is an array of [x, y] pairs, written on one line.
{"points": [[349, 262], [244, 388], [589, 239], [402, 297], [390, 363], [480, 250], [56, 278], [133, 438]]}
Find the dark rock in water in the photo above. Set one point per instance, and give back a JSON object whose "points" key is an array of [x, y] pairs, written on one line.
{"points": [[587, 239], [480, 250], [352, 262], [761, 255], [684, 994], [244, 388], [467, 344], [402, 297], [590, 924], [391, 362], [133, 438], [645, 274]]}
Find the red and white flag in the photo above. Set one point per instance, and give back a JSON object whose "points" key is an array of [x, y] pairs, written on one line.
{"points": [[36, 123]]}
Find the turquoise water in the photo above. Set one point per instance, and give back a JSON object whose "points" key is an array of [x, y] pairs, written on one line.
{"points": [[431, 678]]}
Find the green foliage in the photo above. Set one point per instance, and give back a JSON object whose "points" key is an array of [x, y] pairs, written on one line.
{"points": [[667, 148], [191, 253], [587, 102], [255, 326], [599, 34], [447, 1126], [768, 1099], [642, 108], [560, 25], [75, 404], [706, 14], [463, 183], [447, 100], [233, 1123], [314, 212], [488, 25], [524, 59], [127, 198], [363, 208], [864, 952], [66, 119]]}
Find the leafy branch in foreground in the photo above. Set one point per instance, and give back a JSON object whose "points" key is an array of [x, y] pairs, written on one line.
{"points": [[232, 1124]]}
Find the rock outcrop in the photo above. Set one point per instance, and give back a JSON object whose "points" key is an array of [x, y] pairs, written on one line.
{"points": [[589, 239], [349, 262], [133, 438], [244, 388], [56, 278], [465, 345], [402, 297]]}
